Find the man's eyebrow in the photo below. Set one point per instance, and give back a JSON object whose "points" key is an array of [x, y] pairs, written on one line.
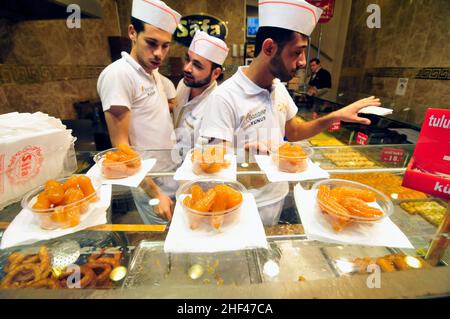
{"points": [[197, 61], [193, 60], [155, 40]]}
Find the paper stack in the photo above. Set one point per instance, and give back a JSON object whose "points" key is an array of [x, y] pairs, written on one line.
{"points": [[33, 148]]}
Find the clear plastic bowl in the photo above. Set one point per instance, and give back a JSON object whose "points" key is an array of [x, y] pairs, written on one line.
{"points": [[217, 221], [384, 203], [200, 167], [117, 170], [64, 216], [292, 164]]}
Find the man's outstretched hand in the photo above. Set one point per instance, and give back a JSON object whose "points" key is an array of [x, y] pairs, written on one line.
{"points": [[350, 112]]}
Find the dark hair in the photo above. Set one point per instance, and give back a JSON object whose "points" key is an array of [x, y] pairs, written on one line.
{"points": [[138, 25], [279, 35], [315, 60], [215, 65]]}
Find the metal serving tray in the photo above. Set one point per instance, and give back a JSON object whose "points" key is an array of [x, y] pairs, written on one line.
{"points": [[151, 266], [297, 260]]}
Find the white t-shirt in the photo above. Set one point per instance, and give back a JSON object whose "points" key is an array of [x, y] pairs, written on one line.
{"points": [[169, 87], [241, 112], [189, 113], [126, 83]]}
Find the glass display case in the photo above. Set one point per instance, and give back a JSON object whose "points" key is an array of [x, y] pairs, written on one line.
{"points": [[394, 128], [294, 266]]}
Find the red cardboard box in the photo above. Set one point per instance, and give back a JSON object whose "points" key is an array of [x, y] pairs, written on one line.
{"points": [[429, 169]]}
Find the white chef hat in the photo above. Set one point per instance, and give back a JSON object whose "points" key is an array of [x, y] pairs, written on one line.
{"points": [[156, 13], [295, 15], [209, 47]]}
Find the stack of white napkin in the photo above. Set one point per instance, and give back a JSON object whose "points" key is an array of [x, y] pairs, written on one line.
{"points": [[33, 148]]}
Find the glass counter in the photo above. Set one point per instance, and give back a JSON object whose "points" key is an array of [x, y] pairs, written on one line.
{"points": [[293, 266], [394, 128]]}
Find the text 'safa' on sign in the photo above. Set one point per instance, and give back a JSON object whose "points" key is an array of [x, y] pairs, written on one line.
{"points": [[190, 24]]}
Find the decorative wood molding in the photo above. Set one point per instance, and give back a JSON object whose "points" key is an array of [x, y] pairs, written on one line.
{"points": [[435, 73], [11, 74]]}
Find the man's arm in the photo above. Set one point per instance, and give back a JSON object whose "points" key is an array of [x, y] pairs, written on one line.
{"points": [[172, 104], [312, 90], [297, 130], [118, 121], [164, 209]]}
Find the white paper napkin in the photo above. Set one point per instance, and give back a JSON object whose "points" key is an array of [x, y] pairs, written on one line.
{"points": [[266, 163], [185, 171], [246, 234], [385, 233], [30, 158], [131, 181], [24, 229], [377, 110]]}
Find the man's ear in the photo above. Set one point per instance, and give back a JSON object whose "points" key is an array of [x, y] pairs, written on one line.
{"points": [[132, 34], [269, 47], [215, 74]]}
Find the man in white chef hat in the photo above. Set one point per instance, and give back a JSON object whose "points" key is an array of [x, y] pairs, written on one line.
{"points": [[253, 103], [253, 107], [132, 93], [202, 67]]}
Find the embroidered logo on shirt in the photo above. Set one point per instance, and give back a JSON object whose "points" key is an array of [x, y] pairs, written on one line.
{"points": [[254, 118], [282, 107], [149, 91]]}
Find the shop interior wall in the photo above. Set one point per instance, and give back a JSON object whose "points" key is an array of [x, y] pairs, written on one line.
{"points": [[45, 66], [332, 43], [413, 43]]}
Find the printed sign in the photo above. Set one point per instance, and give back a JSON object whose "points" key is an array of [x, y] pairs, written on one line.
{"points": [[336, 126], [392, 155], [362, 139], [402, 84], [429, 169], [328, 9], [25, 165], [190, 24]]}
